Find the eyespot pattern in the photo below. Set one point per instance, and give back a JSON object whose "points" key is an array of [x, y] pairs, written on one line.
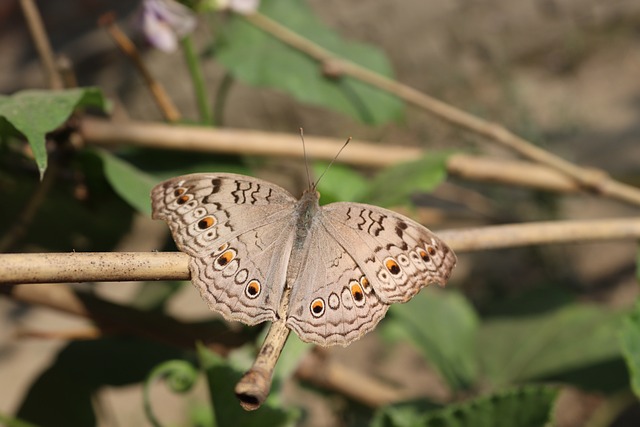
{"points": [[184, 199], [334, 301], [357, 293], [224, 259], [392, 266], [317, 307], [253, 288], [241, 276], [366, 286], [207, 222]]}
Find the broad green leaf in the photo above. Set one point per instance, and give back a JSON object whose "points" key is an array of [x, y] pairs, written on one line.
{"points": [[292, 354], [443, 326], [36, 112], [529, 406], [394, 185], [132, 184], [403, 414], [7, 421], [222, 379], [257, 58], [629, 336], [519, 348], [340, 183]]}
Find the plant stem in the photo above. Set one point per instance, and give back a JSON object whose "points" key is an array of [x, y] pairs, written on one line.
{"points": [[197, 79]]}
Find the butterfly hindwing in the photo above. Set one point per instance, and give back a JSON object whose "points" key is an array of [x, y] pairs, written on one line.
{"points": [[332, 301], [398, 255]]}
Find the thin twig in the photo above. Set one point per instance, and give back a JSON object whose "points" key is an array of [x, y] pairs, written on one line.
{"points": [[40, 39], [124, 266], [589, 179], [317, 369], [127, 47]]}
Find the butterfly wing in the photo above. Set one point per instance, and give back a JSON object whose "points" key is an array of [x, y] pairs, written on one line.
{"points": [[396, 254], [239, 232], [331, 300]]}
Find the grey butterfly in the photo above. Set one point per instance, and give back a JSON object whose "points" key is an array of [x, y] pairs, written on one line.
{"points": [[343, 263]]}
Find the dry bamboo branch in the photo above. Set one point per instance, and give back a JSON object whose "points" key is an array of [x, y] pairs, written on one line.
{"points": [[593, 181], [104, 266], [511, 172], [246, 142], [41, 40], [92, 267], [551, 232], [360, 153]]}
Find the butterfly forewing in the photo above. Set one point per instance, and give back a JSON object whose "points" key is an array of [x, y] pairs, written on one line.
{"points": [[238, 231]]}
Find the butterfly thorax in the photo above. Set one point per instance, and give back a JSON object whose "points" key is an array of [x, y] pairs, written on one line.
{"points": [[306, 209]]}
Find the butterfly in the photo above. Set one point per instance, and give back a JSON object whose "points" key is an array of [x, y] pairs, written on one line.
{"points": [[251, 244]]}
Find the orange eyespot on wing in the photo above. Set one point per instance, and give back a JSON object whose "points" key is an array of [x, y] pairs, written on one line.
{"points": [[317, 307], [225, 258], [356, 291], [206, 222], [392, 266], [252, 290], [183, 199]]}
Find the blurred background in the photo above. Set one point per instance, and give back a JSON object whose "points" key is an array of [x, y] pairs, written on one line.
{"points": [[563, 74]]}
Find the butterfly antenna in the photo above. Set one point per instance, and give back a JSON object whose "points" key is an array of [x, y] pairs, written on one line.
{"points": [[333, 160], [306, 161]]}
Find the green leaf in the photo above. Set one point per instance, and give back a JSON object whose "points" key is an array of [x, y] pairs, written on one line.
{"points": [[132, 184], [537, 346], [443, 326], [395, 185], [529, 406], [629, 336], [36, 112], [222, 379], [180, 376], [259, 59], [7, 421], [340, 183], [292, 354]]}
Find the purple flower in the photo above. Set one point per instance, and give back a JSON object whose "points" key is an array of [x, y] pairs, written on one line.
{"points": [[244, 7], [164, 22]]}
